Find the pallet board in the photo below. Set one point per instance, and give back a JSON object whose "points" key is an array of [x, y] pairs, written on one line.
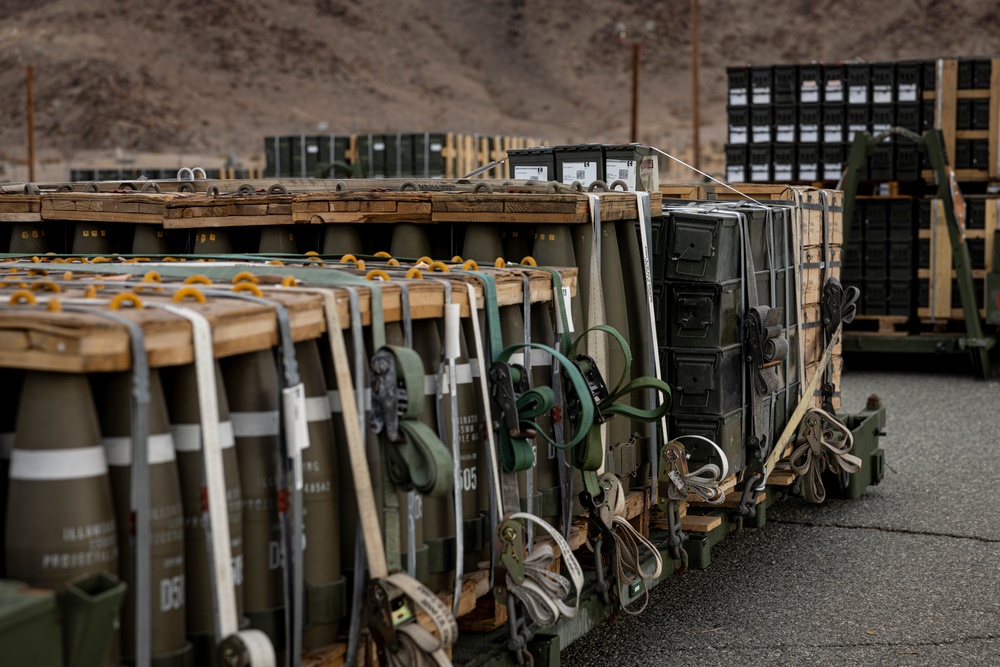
{"points": [[20, 208]]}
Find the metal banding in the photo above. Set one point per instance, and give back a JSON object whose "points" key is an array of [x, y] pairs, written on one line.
{"points": [[187, 437], [57, 464], [119, 450], [255, 424]]}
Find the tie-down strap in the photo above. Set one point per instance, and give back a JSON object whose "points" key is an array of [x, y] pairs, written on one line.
{"points": [[401, 641], [824, 443], [415, 456]]}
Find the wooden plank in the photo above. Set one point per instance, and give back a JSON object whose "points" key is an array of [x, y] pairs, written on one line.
{"points": [[682, 191], [992, 225], [946, 104], [694, 523], [941, 262]]}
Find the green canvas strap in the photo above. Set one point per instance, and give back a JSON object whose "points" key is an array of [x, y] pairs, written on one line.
{"points": [[415, 458]]}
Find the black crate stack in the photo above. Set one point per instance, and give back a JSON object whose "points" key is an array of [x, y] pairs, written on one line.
{"points": [[795, 123]]}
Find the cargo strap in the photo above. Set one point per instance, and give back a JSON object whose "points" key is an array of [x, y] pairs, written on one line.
{"points": [[398, 636], [414, 456], [140, 501], [290, 482], [656, 370], [629, 543], [526, 579], [246, 647], [681, 481], [450, 352], [824, 443], [839, 306]]}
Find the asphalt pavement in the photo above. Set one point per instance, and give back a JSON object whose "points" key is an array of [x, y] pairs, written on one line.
{"points": [[909, 574]]}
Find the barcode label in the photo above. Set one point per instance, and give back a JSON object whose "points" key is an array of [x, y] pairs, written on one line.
{"points": [[585, 172], [621, 170], [526, 173]]}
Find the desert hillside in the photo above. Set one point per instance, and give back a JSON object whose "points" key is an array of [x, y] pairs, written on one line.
{"points": [[117, 80]]}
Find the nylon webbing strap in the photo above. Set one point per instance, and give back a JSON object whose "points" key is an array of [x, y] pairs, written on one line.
{"points": [[597, 347], [653, 345], [416, 644], [824, 444], [414, 456], [140, 497], [630, 543]]}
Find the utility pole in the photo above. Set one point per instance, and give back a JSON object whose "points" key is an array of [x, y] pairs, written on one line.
{"points": [[31, 123], [695, 109], [636, 52]]}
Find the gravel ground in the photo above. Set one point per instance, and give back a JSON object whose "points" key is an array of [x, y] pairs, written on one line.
{"points": [[905, 575]]}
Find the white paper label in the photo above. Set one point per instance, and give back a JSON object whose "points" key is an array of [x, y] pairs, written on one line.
{"points": [[832, 172], [567, 308], [312, 149], [907, 92], [834, 90], [737, 134], [738, 97], [620, 170], [809, 92], [833, 134], [531, 173], [808, 133], [857, 95], [782, 172], [378, 146], [761, 134], [882, 94], [760, 172], [785, 133], [854, 129], [296, 418], [807, 172], [736, 173], [585, 172], [761, 95], [435, 148]]}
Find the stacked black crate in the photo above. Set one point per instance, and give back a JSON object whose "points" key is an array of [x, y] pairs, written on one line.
{"points": [[910, 111], [701, 301], [876, 257], [761, 124], [852, 271], [785, 93], [902, 259], [738, 112], [809, 117]]}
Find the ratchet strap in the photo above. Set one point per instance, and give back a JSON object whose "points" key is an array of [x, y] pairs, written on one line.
{"points": [[824, 443], [629, 543], [415, 457]]}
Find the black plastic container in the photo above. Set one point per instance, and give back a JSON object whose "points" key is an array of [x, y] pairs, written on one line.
{"points": [[834, 84], [759, 163], [901, 219], [808, 163], [581, 162], [923, 253], [785, 123], [975, 213], [784, 163], [963, 154], [881, 166], [876, 220], [810, 120], [883, 117], [980, 115], [858, 120], [858, 83], [428, 161], [908, 116], [532, 164], [980, 153], [703, 315], [736, 163], [761, 125], [785, 82], [977, 252], [706, 381], [928, 74], [908, 80], [876, 297], [924, 213], [761, 85], [739, 125], [926, 115], [810, 84], [965, 76], [833, 161], [834, 117], [982, 69], [883, 83], [907, 161], [900, 297], [739, 86], [963, 115]]}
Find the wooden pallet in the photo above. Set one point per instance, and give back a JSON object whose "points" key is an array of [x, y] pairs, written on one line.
{"points": [[134, 208], [20, 208], [878, 325]]}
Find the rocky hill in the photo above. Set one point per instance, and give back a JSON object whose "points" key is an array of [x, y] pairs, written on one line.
{"points": [[210, 78]]}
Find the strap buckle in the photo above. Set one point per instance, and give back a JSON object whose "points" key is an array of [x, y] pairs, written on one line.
{"points": [[602, 539], [674, 470], [389, 396], [507, 382], [386, 615], [595, 383], [511, 556], [764, 345]]}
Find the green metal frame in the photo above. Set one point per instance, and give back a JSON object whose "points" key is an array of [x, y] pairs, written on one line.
{"points": [[974, 341]]}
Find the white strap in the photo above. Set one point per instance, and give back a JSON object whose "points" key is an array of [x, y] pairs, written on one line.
{"points": [[542, 590]]}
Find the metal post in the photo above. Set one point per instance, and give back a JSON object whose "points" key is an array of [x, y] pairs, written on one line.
{"points": [[31, 123], [695, 109], [636, 50]]}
